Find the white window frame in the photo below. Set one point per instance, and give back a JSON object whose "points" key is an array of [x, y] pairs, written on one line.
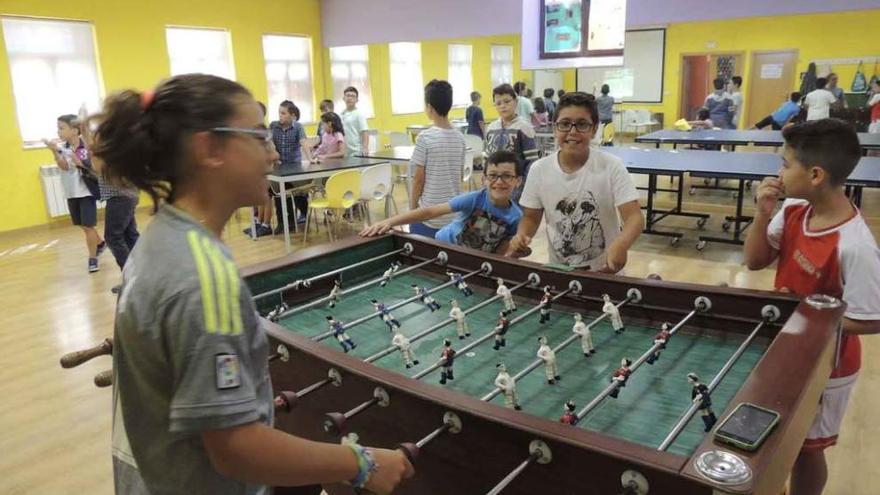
{"points": [[274, 58], [41, 73], [195, 55], [502, 65], [461, 73], [347, 65], [407, 84]]}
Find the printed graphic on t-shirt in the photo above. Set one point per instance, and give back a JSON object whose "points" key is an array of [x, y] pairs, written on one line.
{"points": [[482, 231], [581, 237]]}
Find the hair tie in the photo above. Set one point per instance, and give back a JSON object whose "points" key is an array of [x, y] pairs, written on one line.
{"points": [[147, 98]]}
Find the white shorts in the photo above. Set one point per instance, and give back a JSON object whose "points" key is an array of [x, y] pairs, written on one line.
{"points": [[832, 407]]}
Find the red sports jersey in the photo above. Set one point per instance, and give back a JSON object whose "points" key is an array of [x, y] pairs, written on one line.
{"points": [[569, 418], [662, 335], [842, 261], [624, 372]]}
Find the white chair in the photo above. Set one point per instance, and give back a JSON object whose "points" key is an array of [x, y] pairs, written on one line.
{"points": [[475, 145], [376, 185], [398, 139], [467, 171], [372, 140], [643, 121]]}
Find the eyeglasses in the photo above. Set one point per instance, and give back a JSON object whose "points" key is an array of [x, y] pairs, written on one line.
{"points": [[580, 125], [264, 135], [505, 178]]}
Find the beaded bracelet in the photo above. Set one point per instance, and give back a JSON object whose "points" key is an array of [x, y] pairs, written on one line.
{"points": [[366, 465]]}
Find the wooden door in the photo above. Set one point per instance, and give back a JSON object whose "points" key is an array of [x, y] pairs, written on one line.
{"points": [[770, 84], [694, 80]]}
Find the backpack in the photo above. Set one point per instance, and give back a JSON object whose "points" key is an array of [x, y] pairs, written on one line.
{"points": [[859, 84]]}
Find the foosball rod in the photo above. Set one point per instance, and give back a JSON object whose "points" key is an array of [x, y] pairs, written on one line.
{"points": [[440, 256], [689, 414], [700, 304], [77, 358], [438, 326], [286, 400], [538, 452], [538, 362], [308, 281], [486, 337], [353, 323]]}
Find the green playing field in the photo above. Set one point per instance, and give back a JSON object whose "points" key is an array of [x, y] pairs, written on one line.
{"points": [[647, 408]]}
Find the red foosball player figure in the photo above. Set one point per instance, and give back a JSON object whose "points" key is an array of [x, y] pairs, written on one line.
{"points": [[500, 330], [448, 356], [546, 304], [700, 395], [661, 338], [569, 417], [620, 375]]}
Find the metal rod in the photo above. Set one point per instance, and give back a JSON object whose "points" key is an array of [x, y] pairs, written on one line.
{"points": [[434, 434], [353, 323], [537, 363], [311, 388], [613, 385], [361, 408], [689, 414], [486, 337], [356, 288], [438, 326], [326, 275], [513, 474]]}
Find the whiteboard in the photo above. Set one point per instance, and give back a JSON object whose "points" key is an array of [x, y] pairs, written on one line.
{"points": [[640, 80]]}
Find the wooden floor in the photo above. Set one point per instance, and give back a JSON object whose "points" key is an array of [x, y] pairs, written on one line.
{"points": [[55, 425]]}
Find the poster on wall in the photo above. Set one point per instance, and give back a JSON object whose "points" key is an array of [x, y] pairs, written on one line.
{"points": [[581, 28]]}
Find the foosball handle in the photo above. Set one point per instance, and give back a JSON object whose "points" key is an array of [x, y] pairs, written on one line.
{"points": [[77, 358], [286, 401], [104, 379], [410, 450]]}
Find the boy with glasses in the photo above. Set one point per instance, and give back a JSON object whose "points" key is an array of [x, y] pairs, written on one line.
{"points": [[487, 218], [580, 193], [511, 132]]}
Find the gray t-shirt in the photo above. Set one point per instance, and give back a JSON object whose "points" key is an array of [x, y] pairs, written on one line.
{"points": [[441, 152], [605, 105], [189, 355]]}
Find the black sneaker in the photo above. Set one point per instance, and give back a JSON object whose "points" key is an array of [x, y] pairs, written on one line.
{"points": [[263, 230], [93, 265]]}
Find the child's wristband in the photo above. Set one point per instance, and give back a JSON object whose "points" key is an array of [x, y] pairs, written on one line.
{"points": [[366, 465]]}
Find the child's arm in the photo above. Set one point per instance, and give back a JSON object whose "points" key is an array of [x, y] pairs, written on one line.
{"points": [[757, 251], [633, 223], [861, 327], [259, 454], [412, 216], [528, 225], [418, 186], [340, 150], [56, 155]]}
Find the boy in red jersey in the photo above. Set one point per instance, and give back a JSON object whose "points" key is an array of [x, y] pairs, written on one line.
{"points": [[824, 246]]}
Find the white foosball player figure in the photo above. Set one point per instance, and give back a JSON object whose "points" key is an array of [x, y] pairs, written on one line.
{"points": [[387, 274], [508, 386], [461, 324], [546, 354], [335, 293], [402, 342], [506, 295], [613, 314], [583, 330]]}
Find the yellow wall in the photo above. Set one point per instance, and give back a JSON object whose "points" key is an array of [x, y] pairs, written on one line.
{"points": [[132, 53], [815, 36]]}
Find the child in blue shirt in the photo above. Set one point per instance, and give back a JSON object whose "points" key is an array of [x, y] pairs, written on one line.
{"points": [[782, 115], [487, 218]]}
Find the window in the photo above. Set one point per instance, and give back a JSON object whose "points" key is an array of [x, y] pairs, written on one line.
{"points": [[289, 73], [502, 64], [460, 75], [349, 66], [407, 88], [54, 72], [198, 50]]}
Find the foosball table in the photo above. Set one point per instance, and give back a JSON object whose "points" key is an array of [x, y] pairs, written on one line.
{"points": [[361, 333]]}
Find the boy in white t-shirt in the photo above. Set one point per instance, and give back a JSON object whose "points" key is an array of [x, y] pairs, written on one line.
{"points": [[437, 160], [580, 193], [818, 102], [823, 246], [354, 124]]}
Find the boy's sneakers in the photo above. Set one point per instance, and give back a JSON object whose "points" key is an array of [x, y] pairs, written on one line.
{"points": [[101, 248], [262, 229], [93, 265]]}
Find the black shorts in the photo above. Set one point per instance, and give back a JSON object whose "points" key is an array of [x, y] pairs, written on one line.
{"points": [[83, 211]]}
